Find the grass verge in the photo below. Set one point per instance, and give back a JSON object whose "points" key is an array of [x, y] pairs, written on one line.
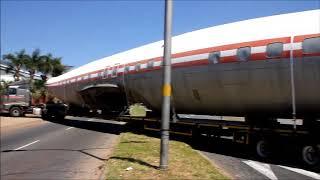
{"points": [[140, 153]]}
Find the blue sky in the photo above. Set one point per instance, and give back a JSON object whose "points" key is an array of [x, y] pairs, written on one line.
{"points": [[83, 31]]}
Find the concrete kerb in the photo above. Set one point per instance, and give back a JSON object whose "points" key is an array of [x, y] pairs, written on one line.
{"points": [[104, 168], [221, 170]]}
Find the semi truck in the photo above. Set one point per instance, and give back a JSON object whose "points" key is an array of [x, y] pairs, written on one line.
{"points": [[16, 100]]}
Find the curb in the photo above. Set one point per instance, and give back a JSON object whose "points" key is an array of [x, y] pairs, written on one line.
{"points": [[222, 171], [104, 169]]}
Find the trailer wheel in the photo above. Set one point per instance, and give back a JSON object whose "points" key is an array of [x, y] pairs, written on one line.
{"points": [[263, 148], [44, 116], [15, 112], [310, 155]]}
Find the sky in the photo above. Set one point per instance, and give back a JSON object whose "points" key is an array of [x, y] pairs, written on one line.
{"points": [[84, 31]]}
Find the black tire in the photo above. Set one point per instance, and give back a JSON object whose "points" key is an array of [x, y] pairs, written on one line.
{"points": [[15, 112], [263, 149], [44, 116], [310, 155]]}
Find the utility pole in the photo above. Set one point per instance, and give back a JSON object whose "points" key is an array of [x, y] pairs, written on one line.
{"points": [[166, 87], [293, 87]]}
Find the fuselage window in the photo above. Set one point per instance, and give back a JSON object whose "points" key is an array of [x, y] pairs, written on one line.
{"points": [[274, 50], [311, 45], [114, 71], [150, 64], [244, 53], [105, 73], [214, 57], [126, 69], [137, 67]]}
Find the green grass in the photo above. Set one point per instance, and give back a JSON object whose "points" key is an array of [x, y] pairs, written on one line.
{"points": [[142, 154]]}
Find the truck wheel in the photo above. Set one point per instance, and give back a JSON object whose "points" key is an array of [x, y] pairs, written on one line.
{"points": [[44, 116], [310, 155], [263, 148], [15, 112]]}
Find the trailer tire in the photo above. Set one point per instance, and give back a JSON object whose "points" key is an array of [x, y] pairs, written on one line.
{"points": [[263, 148], [15, 112], [310, 155], [44, 116]]}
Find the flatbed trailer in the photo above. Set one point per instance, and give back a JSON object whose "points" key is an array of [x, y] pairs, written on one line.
{"points": [[266, 135], [265, 138]]}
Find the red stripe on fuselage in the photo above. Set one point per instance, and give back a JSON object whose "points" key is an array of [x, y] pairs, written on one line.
{"points": [[303, 37], [227, 59]]}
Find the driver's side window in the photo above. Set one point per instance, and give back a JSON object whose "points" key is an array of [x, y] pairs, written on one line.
{"points": [[12, 91]]}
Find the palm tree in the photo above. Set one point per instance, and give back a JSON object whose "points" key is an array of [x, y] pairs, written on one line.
{"points": [[51, 66], [46, 67], [58, 67], [33, 63], [15, 63]]}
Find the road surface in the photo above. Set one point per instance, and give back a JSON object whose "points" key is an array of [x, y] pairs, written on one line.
{"points": [[72, 149], [240, 163], [77, 148]]}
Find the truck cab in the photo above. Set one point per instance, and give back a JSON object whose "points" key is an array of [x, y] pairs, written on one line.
{"points": [[15, 100]]}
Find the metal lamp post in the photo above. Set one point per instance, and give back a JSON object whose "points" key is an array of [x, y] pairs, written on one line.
{"points": [[166, 88]]}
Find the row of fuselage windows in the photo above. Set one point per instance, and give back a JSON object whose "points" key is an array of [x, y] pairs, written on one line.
{"points": [[274, 50]]}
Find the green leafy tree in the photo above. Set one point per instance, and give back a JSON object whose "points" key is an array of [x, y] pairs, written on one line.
{"points": [[15, 63], [3, 86], [52, 66], [58, 67], [33, 63], [48, 66], [39, 90]]}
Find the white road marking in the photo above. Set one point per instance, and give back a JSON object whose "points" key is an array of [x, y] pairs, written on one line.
{"points": [[69, 128], [26, 145], [263, 168], [303, 172]]}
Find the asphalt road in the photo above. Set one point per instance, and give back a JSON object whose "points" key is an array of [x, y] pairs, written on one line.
{"points": [[77, 148], [74, 148], [239, 162]]}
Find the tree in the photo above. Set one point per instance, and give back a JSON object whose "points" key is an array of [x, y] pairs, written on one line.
{"points": [[58, 67], [51, 66], [15, 63], [33, 63], [48, 66], [3, 86]]}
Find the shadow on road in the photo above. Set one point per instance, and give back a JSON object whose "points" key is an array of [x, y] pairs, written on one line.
{"points": [[103, 127], [83, 151], [134, 161]]}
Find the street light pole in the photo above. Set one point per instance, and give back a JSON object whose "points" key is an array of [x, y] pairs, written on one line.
{"points": [[166, 87]]}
